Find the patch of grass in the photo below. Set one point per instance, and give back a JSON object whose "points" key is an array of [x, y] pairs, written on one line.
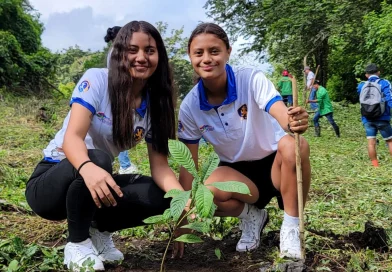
{"points": [[346, 190]]}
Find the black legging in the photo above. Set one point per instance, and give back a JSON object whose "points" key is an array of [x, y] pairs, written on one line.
{"points": [[56, 192]]}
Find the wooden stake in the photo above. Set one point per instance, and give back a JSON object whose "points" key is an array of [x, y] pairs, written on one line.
{"points": [[299, 176]]}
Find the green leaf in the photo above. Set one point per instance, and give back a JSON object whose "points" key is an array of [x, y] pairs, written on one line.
{"points": [[189, 238], [182, 156], [172, 193], [212, 164], [212, 211], [13, 266], [166, 215], [198, 226], [218, 253], [31, 250], [154, 219], [195, 186], [231, 186], [204, 200], [178, 203]]}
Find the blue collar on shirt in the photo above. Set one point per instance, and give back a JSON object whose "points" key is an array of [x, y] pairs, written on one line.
{"points": [[231, 91], [143, 106]]}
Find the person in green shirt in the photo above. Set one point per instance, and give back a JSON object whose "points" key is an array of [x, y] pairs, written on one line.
{"points": [[285, 88], [325, 109]]}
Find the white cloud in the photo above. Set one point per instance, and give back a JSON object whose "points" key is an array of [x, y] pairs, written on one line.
{"points": [[84, 22]]}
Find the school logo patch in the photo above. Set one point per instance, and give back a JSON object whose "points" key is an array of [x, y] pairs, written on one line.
{"points": [[243, 112], [103, 118], [84, 86], [138, 134], [206, 128], [180, 127]]}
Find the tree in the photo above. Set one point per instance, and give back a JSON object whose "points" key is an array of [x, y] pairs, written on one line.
{"points": [[378, 40], [329, 31], [176, 47], [73, 62], [24, 63]]}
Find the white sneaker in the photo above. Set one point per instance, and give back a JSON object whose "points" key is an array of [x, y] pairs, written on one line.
{"points": [[103, 242], [83, 254], [290, 245], [130, 170], [251, 228]]}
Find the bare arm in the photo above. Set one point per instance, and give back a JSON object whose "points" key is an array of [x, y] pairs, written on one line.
{"points": [[290, 116], [161, 172], [75, 149], [185, 177]]}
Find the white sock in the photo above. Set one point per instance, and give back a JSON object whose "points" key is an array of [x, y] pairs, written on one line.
{"points": [[245, 211], [290, 220]]}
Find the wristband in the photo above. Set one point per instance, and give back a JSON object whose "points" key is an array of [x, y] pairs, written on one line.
{"points": [[80, 167]]}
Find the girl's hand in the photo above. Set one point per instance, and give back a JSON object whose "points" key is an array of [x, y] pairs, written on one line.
{"points": [[97, 181], [298, 119]]}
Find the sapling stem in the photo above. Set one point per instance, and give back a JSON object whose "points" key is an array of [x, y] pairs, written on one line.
{"points": [[171, 238]]}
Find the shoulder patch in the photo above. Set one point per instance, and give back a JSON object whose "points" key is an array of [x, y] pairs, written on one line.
{"points": [[84, 86]]}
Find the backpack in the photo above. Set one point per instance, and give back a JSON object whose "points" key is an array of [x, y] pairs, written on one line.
{"points": [[371, 100]]}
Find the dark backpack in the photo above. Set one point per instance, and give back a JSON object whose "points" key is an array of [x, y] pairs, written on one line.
{"points": [[371, 100]]}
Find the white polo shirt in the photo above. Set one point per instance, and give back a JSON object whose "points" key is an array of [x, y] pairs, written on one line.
{"points": [[309, 79], [92, 93], [241, 129]]}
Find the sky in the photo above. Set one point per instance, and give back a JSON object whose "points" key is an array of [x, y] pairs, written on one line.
{"points": [[84, 22]]}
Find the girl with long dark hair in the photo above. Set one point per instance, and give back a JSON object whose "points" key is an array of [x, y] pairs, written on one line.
{"points": [[126, 166], [111, 110]]}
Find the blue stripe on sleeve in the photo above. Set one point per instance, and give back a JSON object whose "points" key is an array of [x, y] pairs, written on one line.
{"points": [[189, 141], [148, 140], [272, 101], [85, 104], [48, 159]]}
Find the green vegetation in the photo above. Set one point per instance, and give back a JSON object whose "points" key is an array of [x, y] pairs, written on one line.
{"points": [[340, 36], [28, 68], [346, 192], [201, 204]]}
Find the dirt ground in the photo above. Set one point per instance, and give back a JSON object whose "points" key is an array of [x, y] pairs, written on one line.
{"points": [[145, 255]]}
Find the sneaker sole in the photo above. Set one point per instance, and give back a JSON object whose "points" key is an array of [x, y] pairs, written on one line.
{"points": [[262, 226], [290, 256], [103, 259]]}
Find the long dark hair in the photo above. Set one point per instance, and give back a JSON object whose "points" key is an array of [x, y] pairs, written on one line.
{"points": [[209, 28], [158, 89], [111, 33]]}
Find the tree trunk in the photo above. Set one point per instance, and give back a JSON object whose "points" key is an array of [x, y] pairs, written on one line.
{"points": [[321, 56]]}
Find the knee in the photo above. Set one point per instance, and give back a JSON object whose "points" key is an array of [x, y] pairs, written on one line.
{"points": [[101, 159], [214, 191], [305, 148], [286, 148], [372, 145]]}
